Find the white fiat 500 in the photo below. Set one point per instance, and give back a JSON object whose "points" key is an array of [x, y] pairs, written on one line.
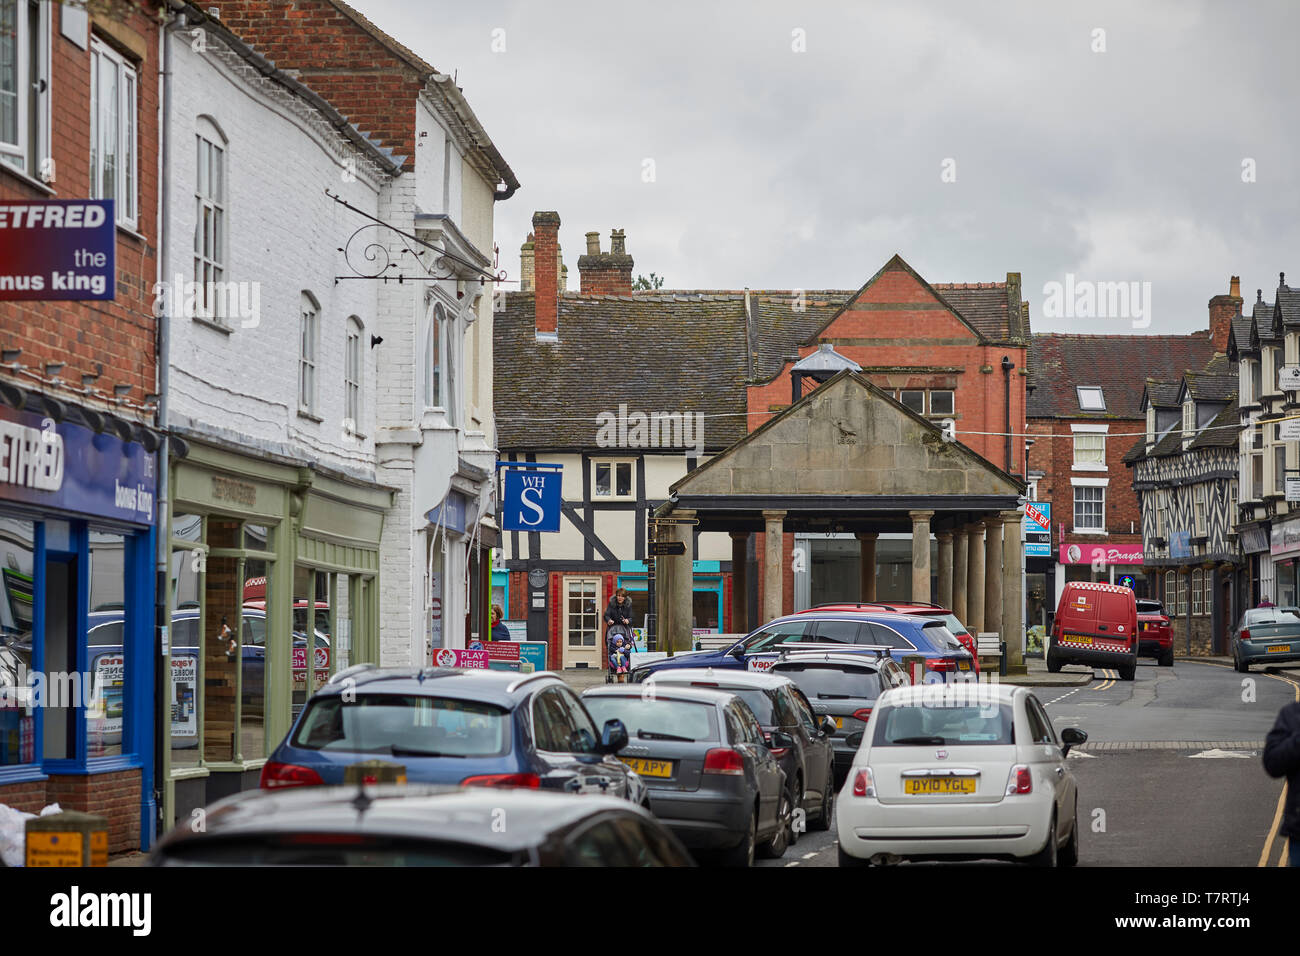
{"points": [[961, 771]]}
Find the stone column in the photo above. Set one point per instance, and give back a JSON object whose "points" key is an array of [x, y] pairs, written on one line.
{"points": [[993, 573], [739, 580], [682, 584], [975, 578], [921, 554], [945, 568], [959, 562], [773, 565], [1013, 596], [867, 565]]}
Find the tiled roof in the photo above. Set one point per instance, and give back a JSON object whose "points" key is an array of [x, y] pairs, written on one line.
{"points": [[1207, 387], [1162, 394], [1241, 332], [1136, 453], [984, 305], [660, 352], [1288, 300], [1119, 364]]}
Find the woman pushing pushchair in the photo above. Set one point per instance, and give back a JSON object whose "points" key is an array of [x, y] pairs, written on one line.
{"points": [[618, 636]]}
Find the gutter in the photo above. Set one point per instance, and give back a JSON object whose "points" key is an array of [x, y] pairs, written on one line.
{"points": [[453, 95]]}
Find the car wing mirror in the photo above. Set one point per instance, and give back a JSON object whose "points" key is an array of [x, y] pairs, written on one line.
{"points": [[780, 740], [1072, 737], [855, 739], [828, 725], [613, 736]]}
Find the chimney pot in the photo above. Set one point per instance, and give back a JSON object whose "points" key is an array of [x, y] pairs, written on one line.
{"points": [[593, 243], [1234, 286], [616, 243]]}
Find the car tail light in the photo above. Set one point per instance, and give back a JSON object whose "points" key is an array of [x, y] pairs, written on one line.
{"points": [[863, 714], [725, 760], [529, 780], [940, 664], [863, 784], [1020, 780], [1245, 634], [276, 776]]}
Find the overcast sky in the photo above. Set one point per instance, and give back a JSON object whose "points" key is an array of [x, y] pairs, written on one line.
{"points": [[774, 168]]}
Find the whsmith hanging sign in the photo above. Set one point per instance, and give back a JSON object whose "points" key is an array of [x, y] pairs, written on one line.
{"points": [[57, 249], [531, 499]]}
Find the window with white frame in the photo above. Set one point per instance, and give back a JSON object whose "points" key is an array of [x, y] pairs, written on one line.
{"points": [[24, 86], [1256, 379], [612, 479], [913, 398], [113, 159], [1209, 592], [1196, 592], [433, 357], [352, 378], [1200, 510], [1090, 450], [209, 219], [1091, 398], [1275, 362], [941, 402], [1279, 469], [308, 347], [1089, 508], [1189, 419], [1171, 593], [1182, 594]]}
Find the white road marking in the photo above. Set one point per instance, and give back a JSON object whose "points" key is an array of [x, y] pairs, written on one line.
{"points": [[1062, 697], [793, 863], [1079, 755], [1217, 754], [809, 856]]}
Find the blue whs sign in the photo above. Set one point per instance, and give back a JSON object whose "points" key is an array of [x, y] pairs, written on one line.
{"points": [[531, 500]]}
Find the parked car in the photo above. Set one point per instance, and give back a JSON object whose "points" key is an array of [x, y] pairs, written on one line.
{"points": [[883, 631], [950, 621], [1266, 635], [1095, 625], [710, 776], [960, 772], [417, 825], [450, 725], [843, 687], [1155, 637], [781, 708]]}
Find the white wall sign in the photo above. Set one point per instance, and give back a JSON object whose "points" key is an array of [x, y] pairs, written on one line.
{"points": [[1292, 488], [1288, 378], [1289, 429]]}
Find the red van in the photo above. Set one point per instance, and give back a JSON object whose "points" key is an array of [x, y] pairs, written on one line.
{"points": [[1095, 625]]}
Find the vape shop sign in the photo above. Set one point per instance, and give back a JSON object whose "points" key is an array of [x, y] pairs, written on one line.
{"points": [[57, 249]]}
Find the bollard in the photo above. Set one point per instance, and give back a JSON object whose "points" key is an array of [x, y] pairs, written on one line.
{"points": [[70, 838], [374, 771], [914, 665]]}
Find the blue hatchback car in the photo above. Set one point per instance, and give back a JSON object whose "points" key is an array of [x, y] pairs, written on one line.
{"points": [[455, 726], [897, 635]]}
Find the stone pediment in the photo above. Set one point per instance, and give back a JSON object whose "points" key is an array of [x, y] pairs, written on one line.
{"points": [[848, 437]]}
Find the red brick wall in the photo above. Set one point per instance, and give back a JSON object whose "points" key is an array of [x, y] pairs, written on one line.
{"points": [[899, 332], [372, 86], [114, 796], [27, 797], [118, 333], [606, 281], [1055, 457]]}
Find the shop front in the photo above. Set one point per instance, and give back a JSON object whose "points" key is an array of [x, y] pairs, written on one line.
{"points": [[1284, 554], [1109, 563], [77, 517], [273, 588]]}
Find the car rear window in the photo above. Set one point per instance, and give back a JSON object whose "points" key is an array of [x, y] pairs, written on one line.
{"points": [[923, 725], [1150, 607], [1273, 615], [832, 682], [404, 725], [939, 635], [641, 717], [331, 849]]}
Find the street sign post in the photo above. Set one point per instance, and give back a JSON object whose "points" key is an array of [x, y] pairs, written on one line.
{"points": [[666, 548]]}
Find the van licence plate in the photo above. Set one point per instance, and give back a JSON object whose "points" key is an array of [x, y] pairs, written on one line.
{"points": [[1078, 638]]}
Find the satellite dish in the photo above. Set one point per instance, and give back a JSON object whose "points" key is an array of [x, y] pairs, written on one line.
{"points": [[949, 427]]}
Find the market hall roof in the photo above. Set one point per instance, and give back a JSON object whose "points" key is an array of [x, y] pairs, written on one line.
{"points": [[1120, 365]]}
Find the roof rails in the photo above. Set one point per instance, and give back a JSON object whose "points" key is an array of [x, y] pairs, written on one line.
{"points": [[887, 607], [882, 650], [349, 671]]}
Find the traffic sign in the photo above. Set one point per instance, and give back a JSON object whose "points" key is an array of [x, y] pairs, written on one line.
{"points": [[666, 548]]}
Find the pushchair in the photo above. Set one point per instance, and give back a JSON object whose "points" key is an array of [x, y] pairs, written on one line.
{"points": [[620, 658]]}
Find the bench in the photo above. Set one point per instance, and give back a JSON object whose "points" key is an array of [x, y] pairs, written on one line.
{"points": [[988, 646]]}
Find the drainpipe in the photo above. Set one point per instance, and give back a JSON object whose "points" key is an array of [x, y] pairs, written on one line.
{"points": [[1007, 366]]}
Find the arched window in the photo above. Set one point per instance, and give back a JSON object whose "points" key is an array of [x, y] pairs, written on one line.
{"points": [[352, 377], [309, 339], [433, 358], [210, 220]]}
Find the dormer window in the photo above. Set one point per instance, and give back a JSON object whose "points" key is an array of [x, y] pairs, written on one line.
{"points": [[1090, 398], [1189, 421]]}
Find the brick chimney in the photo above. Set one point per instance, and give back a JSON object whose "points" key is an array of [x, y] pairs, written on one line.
{"points": [[607, 273], [546, 271], [1223, 309]]}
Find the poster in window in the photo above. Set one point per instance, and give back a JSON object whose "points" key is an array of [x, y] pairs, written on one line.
{"points": [[185, 675]]}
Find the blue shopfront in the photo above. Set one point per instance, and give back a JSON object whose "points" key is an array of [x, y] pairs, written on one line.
{"points": [[77, 637]]}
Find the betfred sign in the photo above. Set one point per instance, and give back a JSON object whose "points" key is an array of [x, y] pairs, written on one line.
{"points": [[57, 249], [1100, 555]]}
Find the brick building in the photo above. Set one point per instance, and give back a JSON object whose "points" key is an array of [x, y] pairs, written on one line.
{"points": [[1085, 413], [79, 142]]}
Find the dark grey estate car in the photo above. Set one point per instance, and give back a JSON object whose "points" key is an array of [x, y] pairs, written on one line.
{"points": [[711, 778], [1266, 635]]}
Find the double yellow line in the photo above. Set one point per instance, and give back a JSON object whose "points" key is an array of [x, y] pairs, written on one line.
{"points": [[1266, 854], [1109, 678]]}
